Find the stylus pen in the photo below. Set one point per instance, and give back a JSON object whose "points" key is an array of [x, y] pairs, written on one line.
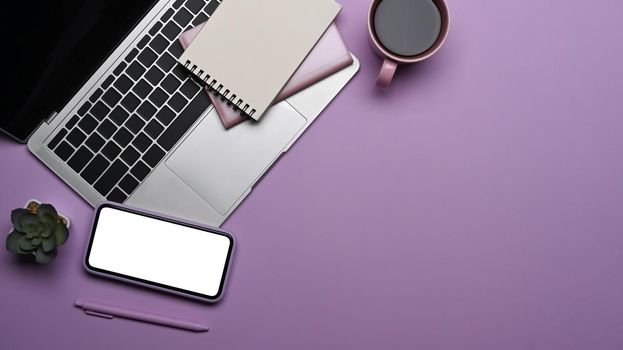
{"points": [[109, 311]]}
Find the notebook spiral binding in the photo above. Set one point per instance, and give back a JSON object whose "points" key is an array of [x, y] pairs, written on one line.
{"points": [[232, 99]]}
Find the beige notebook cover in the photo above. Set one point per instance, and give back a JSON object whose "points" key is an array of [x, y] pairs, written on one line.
{"points": [[248, 49]]}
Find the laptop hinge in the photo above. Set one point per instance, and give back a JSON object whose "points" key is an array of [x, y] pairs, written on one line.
{"points": [[51, 117]]}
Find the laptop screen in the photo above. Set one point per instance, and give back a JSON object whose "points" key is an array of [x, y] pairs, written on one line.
{"points": [[51, 49]]}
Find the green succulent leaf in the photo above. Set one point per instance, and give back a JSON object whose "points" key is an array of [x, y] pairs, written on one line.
{"points": [[47, 210], [37, 234], [61, 233], [27, 222], [48, 220], [12, 240], [47, 232], [48, 244], [41, 257], [22, 251], [15, 216], [36, 228], [25, 244]]}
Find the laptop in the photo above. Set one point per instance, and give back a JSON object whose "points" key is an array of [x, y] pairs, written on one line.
{"points": [[100, 100]]}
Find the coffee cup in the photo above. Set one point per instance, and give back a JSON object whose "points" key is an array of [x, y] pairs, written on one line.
{"points": [[406, 31]]}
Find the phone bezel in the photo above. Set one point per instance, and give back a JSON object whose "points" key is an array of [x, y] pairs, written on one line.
{"points": [[152, 284]]}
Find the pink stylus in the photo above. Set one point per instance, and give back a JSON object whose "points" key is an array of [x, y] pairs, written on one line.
{"points": [[109, 311]]}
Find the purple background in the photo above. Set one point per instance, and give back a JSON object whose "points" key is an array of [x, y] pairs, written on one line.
{"points": [[477, 204]]}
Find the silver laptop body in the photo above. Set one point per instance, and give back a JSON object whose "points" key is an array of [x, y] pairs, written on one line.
{"points": [[202, 176]]}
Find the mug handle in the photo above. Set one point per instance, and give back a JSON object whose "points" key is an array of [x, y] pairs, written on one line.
{"points": [[387, 73]]}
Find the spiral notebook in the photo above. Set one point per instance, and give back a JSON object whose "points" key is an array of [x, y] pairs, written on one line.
{"points": [[249, 49], [328, 56]]}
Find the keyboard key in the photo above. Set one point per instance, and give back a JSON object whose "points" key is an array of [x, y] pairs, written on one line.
{"points": [[135, 71], [128, 184], [117, 195], [171, 31], [59, 136], [147, 57], [183, 121], [153, 156], [81, 158], [158, 97], [107, 82], [170, 84], [146, 110], [131, 55], [154, 129], [64, 150], [119, 115], [85, 107], [195, 5], [180, 72], [142, 89], [70, 124], [95, 169], [96, 95], [107, 129], [111, 150], [154, 75], [182, 17], [167, 15], [100, 110], [110, 177], [111, 97], [141, 44], [202, 17], [166, 62], [120, 68], [211, 7], [165, 115], [76, 137], [88, 124], [175, 49], [123, 84], [178, 3], [177, 102], [123, 137], [159, 43], [155, 28], [135, 124], [189, 88], [130, 155], [95, 142], [130, 102], [142, 142], [140, 170]]}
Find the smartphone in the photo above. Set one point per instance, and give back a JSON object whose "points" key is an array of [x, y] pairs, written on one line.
{"points": [[159, 252]]}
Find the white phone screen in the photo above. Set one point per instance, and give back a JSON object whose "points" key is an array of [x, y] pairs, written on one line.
{"points": [[151, 250]]}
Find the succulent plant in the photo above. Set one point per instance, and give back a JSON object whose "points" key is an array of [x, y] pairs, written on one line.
{"points": [[37, 232]]}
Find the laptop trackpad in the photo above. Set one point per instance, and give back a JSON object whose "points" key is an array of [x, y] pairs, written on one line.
{"points": [[221, 165]]}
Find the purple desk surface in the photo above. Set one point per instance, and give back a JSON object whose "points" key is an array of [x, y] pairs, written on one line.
{"points": [[477, 204]]}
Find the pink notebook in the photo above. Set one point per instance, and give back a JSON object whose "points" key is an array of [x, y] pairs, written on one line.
{"points": [[329, 56]]}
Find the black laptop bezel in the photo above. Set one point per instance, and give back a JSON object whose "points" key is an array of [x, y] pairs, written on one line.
{"points": [[76, 87]]}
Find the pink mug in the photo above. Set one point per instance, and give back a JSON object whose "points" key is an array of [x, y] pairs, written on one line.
{"points": [[392, 60]]}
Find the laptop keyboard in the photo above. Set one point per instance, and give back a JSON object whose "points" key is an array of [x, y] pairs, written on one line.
{"points": [[139, 111]]}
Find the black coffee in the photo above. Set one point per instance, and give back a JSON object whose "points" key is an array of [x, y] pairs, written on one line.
{"points": [[407, 27]]}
